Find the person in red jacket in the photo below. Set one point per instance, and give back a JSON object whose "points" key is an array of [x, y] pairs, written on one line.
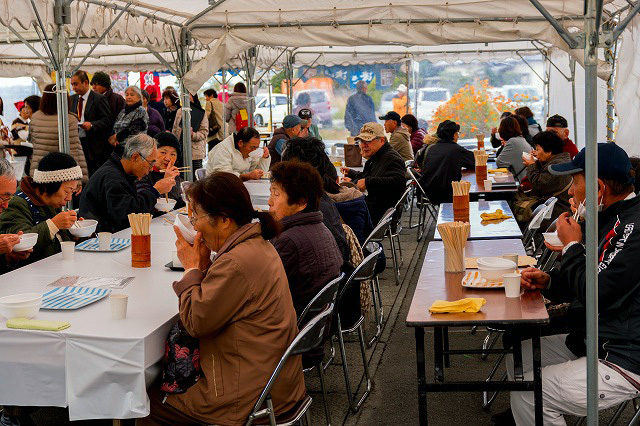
{"points": [[558, 125]]}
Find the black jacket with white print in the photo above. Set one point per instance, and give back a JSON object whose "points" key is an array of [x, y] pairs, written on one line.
{"points": [[618, 286]]}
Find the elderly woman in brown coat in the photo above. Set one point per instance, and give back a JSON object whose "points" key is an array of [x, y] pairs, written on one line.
{"points": [[238, 306], [43, 131]]}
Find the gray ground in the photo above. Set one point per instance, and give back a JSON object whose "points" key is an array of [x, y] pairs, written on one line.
{"points": [[392, 362]]}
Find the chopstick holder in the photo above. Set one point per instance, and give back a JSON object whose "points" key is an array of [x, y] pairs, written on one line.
{"points": [[454, 238]]}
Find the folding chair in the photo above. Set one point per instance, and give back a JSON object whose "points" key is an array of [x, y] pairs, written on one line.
{"points": [[394, 234], [365, 271], [528, 240], [326, 296], [635, 420], [424, 206], [200, 174], [308, 338]]}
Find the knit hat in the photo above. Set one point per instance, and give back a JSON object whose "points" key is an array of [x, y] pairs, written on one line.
{"points": [[167, 139], [101, 78], [447, 129], [57, 167]]}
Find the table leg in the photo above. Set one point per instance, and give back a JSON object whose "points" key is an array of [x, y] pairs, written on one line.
{"points": [[537, 376], [445, 343], [517, 359], [422, 376], [438, 357]]}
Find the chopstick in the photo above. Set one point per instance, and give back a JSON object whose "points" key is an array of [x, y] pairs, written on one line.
{"points": [[181, 169]]}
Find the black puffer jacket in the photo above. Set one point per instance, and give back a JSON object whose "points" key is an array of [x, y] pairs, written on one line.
{"points": [[618, 287], [442, 166], [309, 254]]}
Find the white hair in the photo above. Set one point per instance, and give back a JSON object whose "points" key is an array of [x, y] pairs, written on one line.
{"points": [[140, 143], [135, 89], [6, 169]]}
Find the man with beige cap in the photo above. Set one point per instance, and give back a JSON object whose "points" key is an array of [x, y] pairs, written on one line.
{"points": [[383, 175]]}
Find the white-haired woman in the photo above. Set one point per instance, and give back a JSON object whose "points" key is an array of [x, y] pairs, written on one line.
{"points": [[132, 120]]}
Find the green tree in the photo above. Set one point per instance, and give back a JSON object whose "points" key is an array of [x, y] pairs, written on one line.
{"points": [[276, 82]]}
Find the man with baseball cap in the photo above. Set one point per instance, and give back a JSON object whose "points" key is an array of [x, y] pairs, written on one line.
{"points": [[558, 125], [101, 83], [400, 138], [310, 129], [291, 128], [563, 356], [383, 175]]}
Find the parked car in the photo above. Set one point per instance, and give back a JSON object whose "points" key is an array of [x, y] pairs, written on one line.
{"points": [[278, 109], [319, 101], [430, 98]]}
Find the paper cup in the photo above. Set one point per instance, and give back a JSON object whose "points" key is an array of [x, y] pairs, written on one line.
{"points": [[118, 306], [512, 257], [104, 240], [175, 260], [488, 184], [68, 249], [511, 285]]}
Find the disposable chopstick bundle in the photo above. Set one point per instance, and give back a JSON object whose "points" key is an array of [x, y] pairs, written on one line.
{"points": [[481, 157], [454, 237], [140, 223], [461, 188]]}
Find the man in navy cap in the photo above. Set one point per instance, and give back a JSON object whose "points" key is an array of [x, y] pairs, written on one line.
{"points": [[291, 128], [564, 373]]}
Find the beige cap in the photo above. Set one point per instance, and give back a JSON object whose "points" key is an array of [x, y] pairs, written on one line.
{"points": [[371, 131]]}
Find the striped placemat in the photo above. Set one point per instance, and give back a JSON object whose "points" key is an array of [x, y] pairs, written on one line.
{"points": [[72, 297], [117, 244]]}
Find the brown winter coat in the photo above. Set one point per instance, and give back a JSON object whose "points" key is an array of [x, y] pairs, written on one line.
{"points": [[44, 136], [241, 310]]}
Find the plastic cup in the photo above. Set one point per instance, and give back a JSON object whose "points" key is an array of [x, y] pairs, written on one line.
{"points": [[512, 257], [175, 260], [511, 285], [118, 306], [488, 184], [104, 240], [68, 249]]}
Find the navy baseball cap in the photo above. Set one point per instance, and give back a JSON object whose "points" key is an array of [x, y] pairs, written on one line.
{"points": [[613, 164], [291, 121], [391, 115]]}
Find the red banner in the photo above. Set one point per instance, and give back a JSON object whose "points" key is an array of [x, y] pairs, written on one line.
{"points": [[150, 82]]}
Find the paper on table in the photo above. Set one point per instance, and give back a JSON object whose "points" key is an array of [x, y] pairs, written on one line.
{"points": [[92, 282], [523, 261]]}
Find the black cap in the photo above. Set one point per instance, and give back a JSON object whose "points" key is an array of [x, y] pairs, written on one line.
{"points": [[557, 121], [305, 113], [391, 115], [613, 164], [168, 139], [447, 129]]}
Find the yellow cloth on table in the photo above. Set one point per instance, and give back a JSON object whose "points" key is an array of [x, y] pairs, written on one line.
{"points": [[31, 324], [502, 170], [497, 215], [470, 304]]}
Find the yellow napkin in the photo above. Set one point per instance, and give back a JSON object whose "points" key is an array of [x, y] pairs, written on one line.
{"points": [[31, 324], [470, 304], [497, 215], [502, 170]]}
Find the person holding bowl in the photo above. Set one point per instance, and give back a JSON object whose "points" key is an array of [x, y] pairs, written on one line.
{"points": [[8, 186]]}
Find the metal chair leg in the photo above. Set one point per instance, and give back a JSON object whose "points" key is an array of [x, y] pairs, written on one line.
{"points": [[489, 342], [377, 309], [332, 355], [394, 256], [397, 236], [486, 399], [618, 413], [350, 396], [307, 418], [324, 394], [635, 420]]}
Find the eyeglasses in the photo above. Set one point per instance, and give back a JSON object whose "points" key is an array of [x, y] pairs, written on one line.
{"points": [[194, 219], [6, 197], [151, 164]]}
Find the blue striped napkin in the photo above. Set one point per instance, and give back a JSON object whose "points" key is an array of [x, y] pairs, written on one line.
{"points": [[117, 244], [72, 297]]}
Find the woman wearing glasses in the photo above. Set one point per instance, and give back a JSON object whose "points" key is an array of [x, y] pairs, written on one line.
{"points": [[238, 306], [37, 207]]}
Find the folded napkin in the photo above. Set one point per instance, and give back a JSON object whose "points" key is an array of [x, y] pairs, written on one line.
{"points": [[497, 215], [502, 170], [470, 304], [31, 324]]}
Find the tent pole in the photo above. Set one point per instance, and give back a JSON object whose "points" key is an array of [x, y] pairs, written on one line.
{"points": [[224, 97], [408, 105], [416, 74], [591, 172], [290, 80], [572, 68], [270, 107], [61, 17], [547, 85], [185, 40], [610, 58]]}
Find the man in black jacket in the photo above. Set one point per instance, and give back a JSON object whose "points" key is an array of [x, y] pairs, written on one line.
{"points": [[444, 163], [94, 121], [111, 192], [101, 83], [383, 176], [563, 356]]}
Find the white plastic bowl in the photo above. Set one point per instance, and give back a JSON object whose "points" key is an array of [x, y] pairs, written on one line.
{"points": [[187, 231], [552, 238], [527, 155], [24, 305], [163, 206], [501, 177], [84, 229], [27, 241], [493, 268]]}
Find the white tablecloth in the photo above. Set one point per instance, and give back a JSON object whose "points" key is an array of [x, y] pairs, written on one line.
{"points": [[99, 367]]}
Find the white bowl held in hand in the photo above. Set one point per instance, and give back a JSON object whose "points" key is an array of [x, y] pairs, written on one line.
{"points": [[163, 206], [527, 156], [24, 305], [493, 268], [84, 228], [552, 238], [256, 153], [27, 241], [187, 231]]}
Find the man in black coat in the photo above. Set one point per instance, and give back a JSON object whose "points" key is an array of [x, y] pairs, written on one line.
{"points": [[444, 163], [383, 176], [94, 121], [111, 193], [101, 83]]}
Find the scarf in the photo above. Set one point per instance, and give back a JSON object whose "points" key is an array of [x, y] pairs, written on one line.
{"points": [[128, 115]]}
